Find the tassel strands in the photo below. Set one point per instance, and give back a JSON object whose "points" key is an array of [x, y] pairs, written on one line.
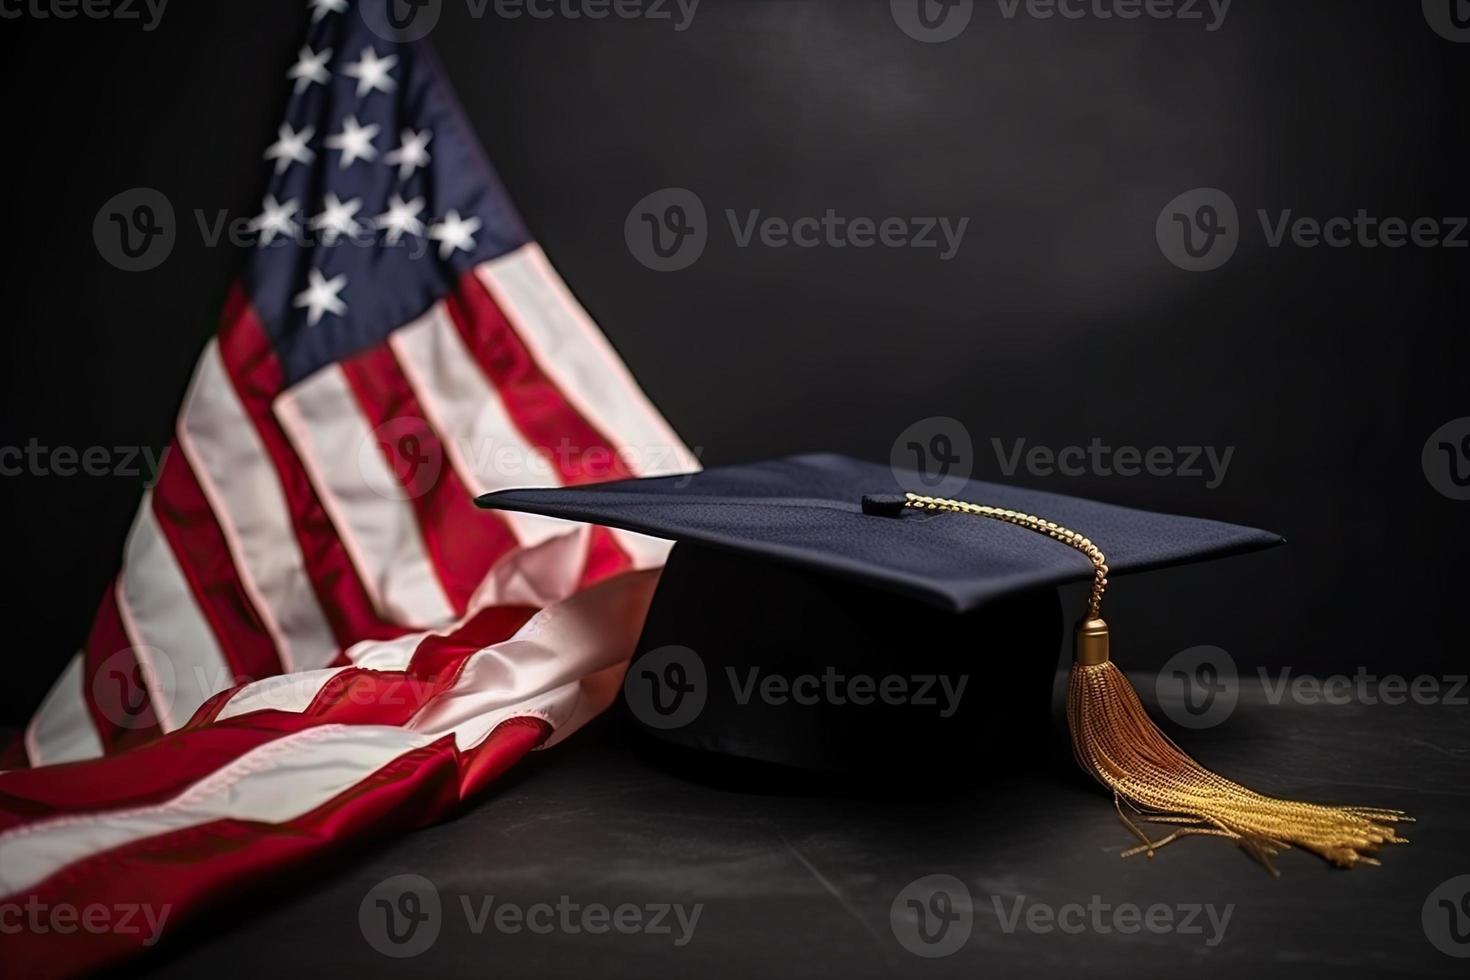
{"points": [[1115, 740]]}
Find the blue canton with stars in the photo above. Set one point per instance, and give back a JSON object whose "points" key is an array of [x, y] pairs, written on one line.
{"points": [[379, 199]]}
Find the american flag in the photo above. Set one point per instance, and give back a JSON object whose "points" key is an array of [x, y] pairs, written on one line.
{"points": [[315, 636]]}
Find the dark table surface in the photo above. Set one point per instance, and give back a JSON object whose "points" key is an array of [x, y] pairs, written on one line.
{"points": [[797, 879]]}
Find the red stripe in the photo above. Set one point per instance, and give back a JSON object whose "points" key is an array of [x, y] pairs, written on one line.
{"points": [[605, 558], [462, 541], [198, 543], [256, 374], [146, 775], [538, 408], [166, 766], [14, 755], [194, 870], [116, 696]]}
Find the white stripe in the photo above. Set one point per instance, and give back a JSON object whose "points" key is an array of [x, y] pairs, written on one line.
{"points": [[576, 356], [642, 550], [180, 657], [274, 783], [356, 486], [295, 692], [480, 439], [562, 666], [243, 489], [518, 579], [62, 729], [566, 644], [284, 692]]}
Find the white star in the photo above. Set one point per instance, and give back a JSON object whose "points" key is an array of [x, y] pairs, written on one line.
{"points": [[320, 296], [274, 220], [355, 141], [401, 219], [371, 72], [454, 232], [320, 8], [412, 152], [290, 147], [337, 219], [311, 66]]}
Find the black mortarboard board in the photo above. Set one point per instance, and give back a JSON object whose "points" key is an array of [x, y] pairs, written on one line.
{"points": [[817, 565]]}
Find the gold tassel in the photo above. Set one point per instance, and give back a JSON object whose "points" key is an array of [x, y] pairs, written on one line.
{"points": [[1114, 739]]}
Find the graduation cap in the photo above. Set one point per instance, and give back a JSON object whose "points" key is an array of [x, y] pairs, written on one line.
{"points": [[821, 581]]}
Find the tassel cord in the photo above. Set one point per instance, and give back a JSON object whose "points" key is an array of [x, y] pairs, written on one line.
{"points": [[1114, 739]]}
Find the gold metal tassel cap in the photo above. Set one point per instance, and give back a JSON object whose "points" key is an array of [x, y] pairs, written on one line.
{"points": [[1092, 642], [1115, 740]]}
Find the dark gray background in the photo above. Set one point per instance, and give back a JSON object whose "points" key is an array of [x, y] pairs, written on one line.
{"points": [[1059, 321]]}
